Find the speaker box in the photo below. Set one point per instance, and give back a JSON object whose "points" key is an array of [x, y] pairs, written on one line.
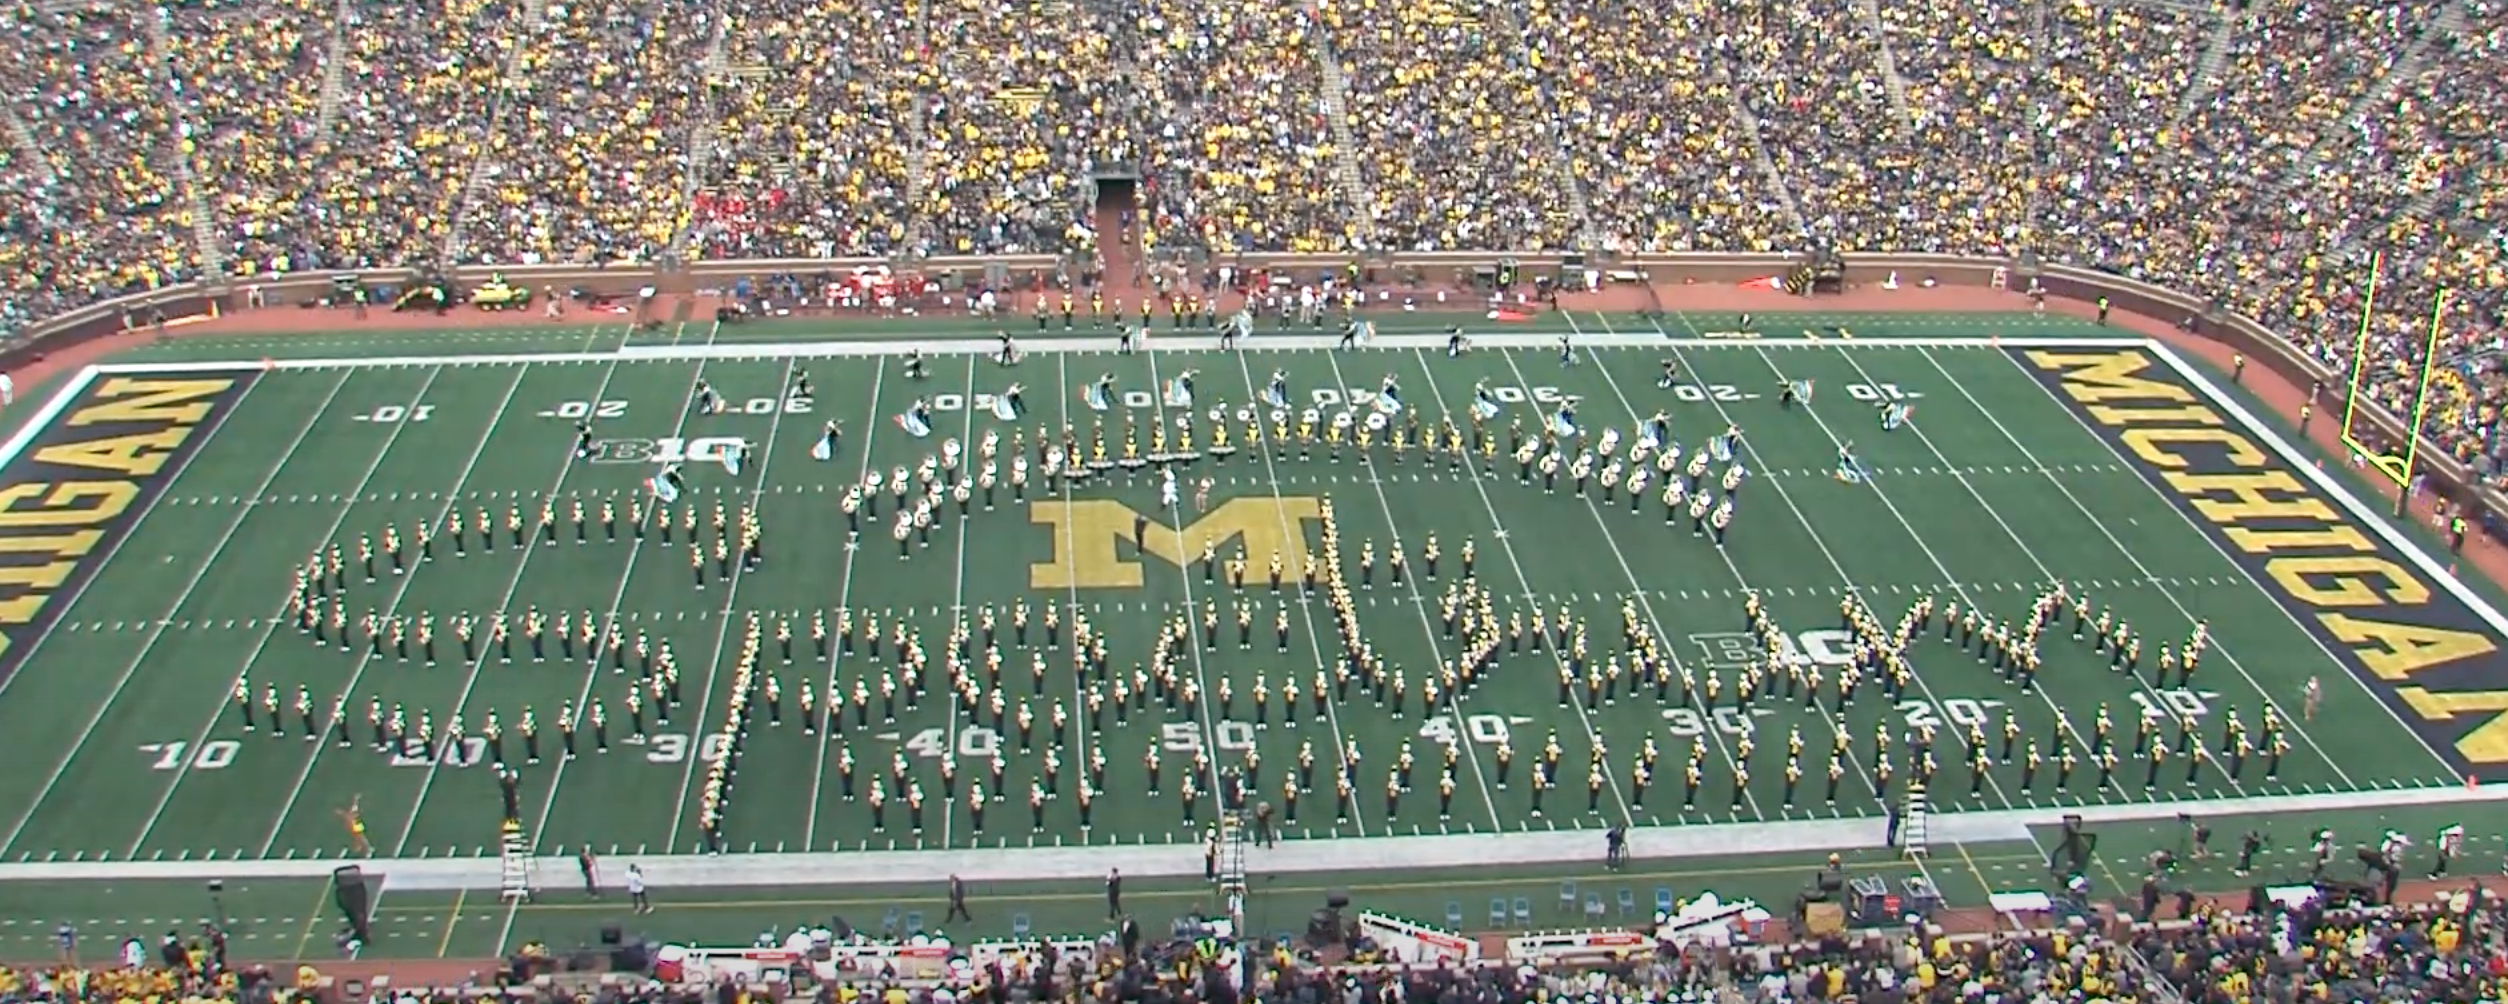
{"points": [[348, 892], [2257, 900], [612, 935], [633, 958]]}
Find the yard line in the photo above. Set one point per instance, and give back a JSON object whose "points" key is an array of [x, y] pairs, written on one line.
{"points": [[548, 795], [1306, 601], [714, 670], [2165, 591], [190, 585], [958, 603], [367, 658], [844, 602], [1637, 587], [1836, 722], [277, 616], [1428, 628], [41, 422], [2045, 572], [1845, 578], [1082, 741], [435, 764], [1184, 574]]}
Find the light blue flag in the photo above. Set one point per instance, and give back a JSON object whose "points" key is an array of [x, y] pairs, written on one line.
{"points": [[823, 450], [663, 490]]}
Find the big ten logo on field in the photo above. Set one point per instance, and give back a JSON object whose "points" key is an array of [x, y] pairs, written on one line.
{"points": [[1091, 535], [666, 450]]}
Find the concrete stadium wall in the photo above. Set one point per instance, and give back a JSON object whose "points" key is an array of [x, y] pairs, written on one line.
{"points": [[2202, 317]]}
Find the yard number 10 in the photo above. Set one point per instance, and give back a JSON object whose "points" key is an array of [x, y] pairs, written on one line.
{"points": [[211, 755]]}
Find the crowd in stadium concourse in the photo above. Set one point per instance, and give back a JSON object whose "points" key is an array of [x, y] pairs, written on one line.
{"points": [[2258, 153]]}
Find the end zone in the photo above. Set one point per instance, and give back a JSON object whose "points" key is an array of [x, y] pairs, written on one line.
{"points": [[2399, 623], [78, 478]]}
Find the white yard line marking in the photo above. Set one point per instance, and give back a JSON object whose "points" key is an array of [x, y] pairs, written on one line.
{"points": [[566, 468], [1081, 740], [697, 756], [41, 421], [390, 606], [958, 604], [933, 347], [696, 752], [2292, 720], [1836, 723], [626, 572], [36, 425], [1305, 602], [2047, 573], [834, 709], [1184, 574], [219, 701], [157, 634], [1712, 729], [1428, 628], [1846, 578]]}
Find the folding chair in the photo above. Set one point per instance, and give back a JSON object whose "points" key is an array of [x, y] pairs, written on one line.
{"points": [[1498, 912], [1019, 925], [1524, 911], [1628, 903], [1454, 914], [1567, 898]]}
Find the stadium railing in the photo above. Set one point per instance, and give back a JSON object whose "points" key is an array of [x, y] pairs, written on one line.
{"points": [[2448, 479]]}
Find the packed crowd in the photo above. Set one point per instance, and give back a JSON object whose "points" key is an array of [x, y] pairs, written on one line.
{"points": [[2458, 952], [2416, 953], [2259, 155]]}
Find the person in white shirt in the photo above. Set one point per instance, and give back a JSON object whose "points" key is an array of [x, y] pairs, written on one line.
{"points": [[635, 890]]}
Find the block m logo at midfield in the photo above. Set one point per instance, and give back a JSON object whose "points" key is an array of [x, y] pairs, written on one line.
{"points": [[1092, 536]]}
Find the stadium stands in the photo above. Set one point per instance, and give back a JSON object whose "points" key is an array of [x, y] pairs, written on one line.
{"points": [[2424, 952], [2254, 153]]}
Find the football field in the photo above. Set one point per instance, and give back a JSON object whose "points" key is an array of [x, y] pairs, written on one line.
{"points": [[161, 507]]}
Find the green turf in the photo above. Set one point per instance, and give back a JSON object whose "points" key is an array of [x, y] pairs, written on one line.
{"points": [[137, 753]]}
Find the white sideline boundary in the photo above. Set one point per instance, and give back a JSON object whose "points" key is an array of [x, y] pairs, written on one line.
{"points": [[1516, 339], [1184, 860], [1005, 863]]}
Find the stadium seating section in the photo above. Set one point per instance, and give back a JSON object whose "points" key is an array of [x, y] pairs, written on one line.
{"points": [[2256, 153]]}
